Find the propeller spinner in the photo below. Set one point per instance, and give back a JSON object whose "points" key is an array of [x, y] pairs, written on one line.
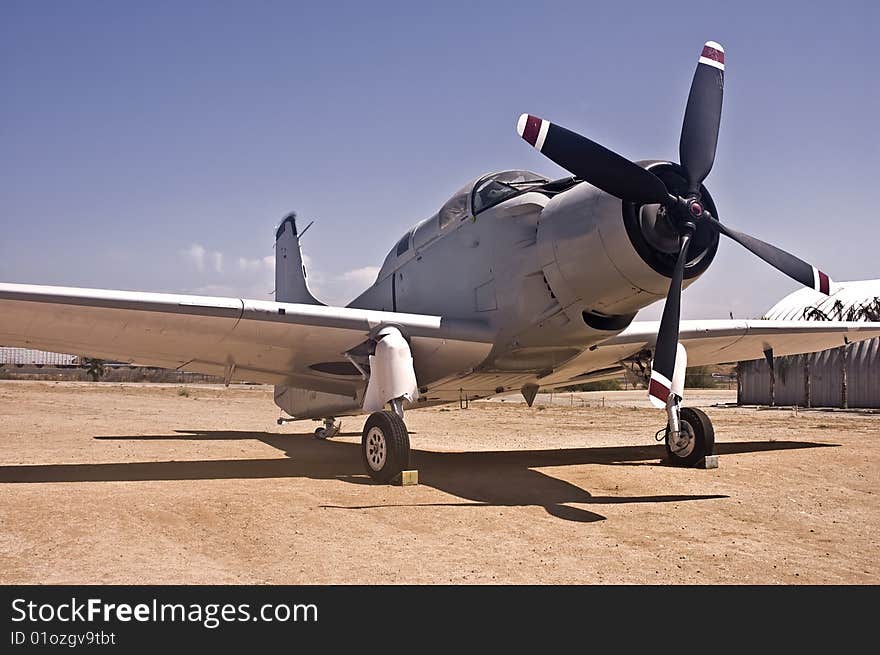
{"points": [[620, 177]]}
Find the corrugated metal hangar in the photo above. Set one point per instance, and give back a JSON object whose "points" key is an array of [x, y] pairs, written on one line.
{"points": [[848, 376], [28, 357]]}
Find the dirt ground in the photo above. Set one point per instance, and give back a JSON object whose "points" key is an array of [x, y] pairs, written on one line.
{"points": [[128, 483]]}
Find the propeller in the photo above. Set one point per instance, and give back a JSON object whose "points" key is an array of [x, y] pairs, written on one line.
{"points": [[702, 117], [620, 177], [663, 367], [796, 269], [589, 161]]}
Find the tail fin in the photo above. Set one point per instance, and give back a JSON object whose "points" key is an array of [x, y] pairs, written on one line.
{"points": [[290, 273]]}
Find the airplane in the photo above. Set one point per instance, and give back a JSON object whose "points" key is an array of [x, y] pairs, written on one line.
{"points": [[517, 282]]}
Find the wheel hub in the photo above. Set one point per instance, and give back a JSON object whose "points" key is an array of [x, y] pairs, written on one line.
{"points": [[376, 449], [682, 443]]}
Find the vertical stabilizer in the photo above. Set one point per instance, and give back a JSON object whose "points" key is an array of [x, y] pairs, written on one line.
{"points": [[290, 273]]}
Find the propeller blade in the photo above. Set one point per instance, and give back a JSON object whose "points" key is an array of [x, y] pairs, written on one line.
{"points": [[699, 132], [591, 162], [663, 366], [795, 268]]}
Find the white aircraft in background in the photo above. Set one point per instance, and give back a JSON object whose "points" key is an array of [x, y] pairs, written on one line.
{"points": [[517, 282]]}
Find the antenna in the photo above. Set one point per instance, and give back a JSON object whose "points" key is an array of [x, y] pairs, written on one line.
{"points": [[302, 234]]}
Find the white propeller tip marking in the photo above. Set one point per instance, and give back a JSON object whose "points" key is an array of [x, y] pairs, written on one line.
{"points": [[657, 403], [521, 124]]}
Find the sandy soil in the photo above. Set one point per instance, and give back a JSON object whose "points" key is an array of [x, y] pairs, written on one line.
{"points": [[127, 483]]}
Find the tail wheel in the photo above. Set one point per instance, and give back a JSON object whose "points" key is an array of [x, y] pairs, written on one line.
{"points": [[695, 441], [385, 446]]}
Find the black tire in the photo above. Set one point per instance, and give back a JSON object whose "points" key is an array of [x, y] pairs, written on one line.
{"points": [[320, 434], [389, 429], [704, 437]]}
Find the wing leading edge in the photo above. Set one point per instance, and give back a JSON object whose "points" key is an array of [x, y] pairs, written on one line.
{"points": [[712, 342], [723, 341]]}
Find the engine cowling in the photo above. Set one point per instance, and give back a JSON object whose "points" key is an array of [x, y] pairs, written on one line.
{"points": [[604, 259]]}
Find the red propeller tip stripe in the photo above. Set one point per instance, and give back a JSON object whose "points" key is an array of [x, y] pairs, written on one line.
{"points": [[532, 129], [713, 55], [821, 282], [658, 390]]}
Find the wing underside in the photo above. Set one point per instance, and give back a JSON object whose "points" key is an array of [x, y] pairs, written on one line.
{"points": [[247, 340]]}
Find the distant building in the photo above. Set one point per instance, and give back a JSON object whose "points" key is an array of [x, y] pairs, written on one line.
{"points": [[27, 357], [848, 376]]}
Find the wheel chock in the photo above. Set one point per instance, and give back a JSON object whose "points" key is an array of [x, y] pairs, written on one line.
{"points": [[407, 478], [708, 462]]}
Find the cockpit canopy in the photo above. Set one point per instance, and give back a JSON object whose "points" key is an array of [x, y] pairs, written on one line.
{"points": [[484, 192], [492, 189], [474, 197]]}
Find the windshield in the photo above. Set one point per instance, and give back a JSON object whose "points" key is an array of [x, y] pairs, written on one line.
{"points": [[498, 187], [456, 208]]}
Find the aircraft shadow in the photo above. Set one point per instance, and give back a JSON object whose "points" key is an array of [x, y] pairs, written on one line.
{"points": [[484, 478]]}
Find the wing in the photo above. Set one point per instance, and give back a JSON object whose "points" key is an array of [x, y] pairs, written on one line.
{"points": [[712, 342], [250, 340], [718, 342]]}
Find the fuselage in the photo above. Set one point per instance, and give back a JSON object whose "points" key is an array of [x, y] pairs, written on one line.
{"points": [[553, 268]]}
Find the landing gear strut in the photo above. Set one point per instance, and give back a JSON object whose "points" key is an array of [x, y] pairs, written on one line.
{"points": [[385, 440], [385, 446], [331, 429], [689, 434]]}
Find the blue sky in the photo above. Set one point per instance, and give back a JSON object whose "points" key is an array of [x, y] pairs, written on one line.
{"points": [[155, 146]]}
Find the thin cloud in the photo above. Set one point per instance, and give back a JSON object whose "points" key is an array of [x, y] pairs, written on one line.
{"points": [[257, 264], [339, 289], [196, 254], [365, 275], [202, 257], [254, 277]]}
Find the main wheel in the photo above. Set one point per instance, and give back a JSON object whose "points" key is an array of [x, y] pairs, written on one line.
{"points": [[385, 446], [696, 440]]}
